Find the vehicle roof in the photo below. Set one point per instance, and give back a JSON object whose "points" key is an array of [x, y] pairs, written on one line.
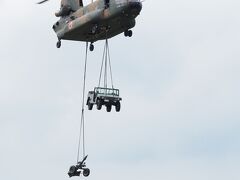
{"points": [[106, 88]]}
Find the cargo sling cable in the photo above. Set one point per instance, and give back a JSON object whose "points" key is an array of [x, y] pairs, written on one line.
{"points": [[104, 95], [82, 129], [81, 165], [105, 61]]}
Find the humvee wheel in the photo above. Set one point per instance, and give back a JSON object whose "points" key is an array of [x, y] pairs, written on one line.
{"points": [[118, 106], [86, 172], [90, 105], [99, 104], [109, 108]]}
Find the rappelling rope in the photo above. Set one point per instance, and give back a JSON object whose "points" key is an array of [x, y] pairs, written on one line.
{"points": [[81, 128]]}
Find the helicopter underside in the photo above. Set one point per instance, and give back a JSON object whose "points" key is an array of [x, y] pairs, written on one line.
{"points": [[98, 25], [100, 31]]}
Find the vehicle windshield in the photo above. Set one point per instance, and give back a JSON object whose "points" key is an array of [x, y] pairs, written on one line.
{"points": [[107, 91]]}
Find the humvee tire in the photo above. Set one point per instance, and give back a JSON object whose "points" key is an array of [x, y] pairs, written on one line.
{"points": [[118, 106], [109, 108], [99, 104], [90, 105]]}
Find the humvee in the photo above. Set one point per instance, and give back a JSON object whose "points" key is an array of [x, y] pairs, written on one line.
{"points": [[104, 96]]}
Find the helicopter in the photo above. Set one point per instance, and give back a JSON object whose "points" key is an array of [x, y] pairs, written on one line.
{"points": [[99, 20]]}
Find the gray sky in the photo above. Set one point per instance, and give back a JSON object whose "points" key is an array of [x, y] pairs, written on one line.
{"points": [[178, 76]]}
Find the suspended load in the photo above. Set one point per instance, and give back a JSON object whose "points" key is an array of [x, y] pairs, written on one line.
{"points": [[81, 165], [104, 96], [107, 96], [79, 168]]}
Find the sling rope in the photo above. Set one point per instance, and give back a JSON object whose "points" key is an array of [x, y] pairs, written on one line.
{"points": [[105, 72], [110, 66], [106, 61], [81, 128], [100, 76]]}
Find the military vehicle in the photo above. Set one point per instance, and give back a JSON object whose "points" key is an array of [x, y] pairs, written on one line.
{"points": [[104, 96], [80, 167], [99, 20]]}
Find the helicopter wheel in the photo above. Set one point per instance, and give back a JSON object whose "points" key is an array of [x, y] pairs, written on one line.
{"points": [[59, 44], [128, 33], [91, 48]]}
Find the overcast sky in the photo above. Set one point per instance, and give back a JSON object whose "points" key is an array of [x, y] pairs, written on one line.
{"points": [[179, 77]]}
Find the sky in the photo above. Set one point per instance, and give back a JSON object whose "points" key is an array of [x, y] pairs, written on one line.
{"points": [[178, 77]]}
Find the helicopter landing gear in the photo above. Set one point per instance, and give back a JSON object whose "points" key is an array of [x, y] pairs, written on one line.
{"points": [[58, 44], [128, 33], [91, 48]]}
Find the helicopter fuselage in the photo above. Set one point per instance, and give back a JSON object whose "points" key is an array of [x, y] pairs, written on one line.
{"points": [[98, 20]]}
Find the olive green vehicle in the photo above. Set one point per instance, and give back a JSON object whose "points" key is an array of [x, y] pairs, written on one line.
{"points": [[104, 96], [101, 19]]}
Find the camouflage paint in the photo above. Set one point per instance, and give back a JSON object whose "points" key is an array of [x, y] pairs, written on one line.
{"points": [[95, 22]]}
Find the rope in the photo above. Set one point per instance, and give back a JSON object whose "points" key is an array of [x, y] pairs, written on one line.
{"points": [[104, 66], [81, 128], [101, 66], [105, 74], [110, 66]]}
